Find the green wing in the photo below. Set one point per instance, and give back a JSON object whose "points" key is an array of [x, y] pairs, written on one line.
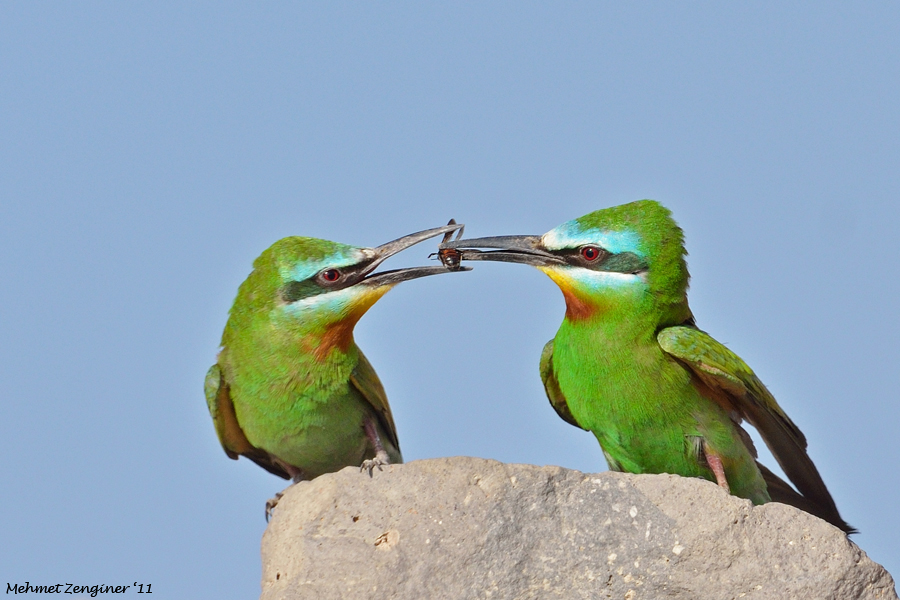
{"points": [[551, 387], [364, 379], [228, 430], [723, 370]]}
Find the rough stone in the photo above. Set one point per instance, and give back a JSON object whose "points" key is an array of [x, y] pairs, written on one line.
{"points": [[471, 528]]}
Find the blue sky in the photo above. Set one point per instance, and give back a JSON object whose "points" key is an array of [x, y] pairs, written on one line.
{"points": [[150, 151]]}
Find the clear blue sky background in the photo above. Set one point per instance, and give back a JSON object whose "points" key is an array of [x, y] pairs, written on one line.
{"points": [[150, 151]]}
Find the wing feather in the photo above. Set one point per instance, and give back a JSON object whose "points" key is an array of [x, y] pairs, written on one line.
{"points": [[551, 387], [364, 379], [228, 430], [722, 369]]}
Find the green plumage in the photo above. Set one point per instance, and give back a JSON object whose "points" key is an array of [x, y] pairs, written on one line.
{"points": [[660, 395], [652, 417], [629, 365], [290, 390]]}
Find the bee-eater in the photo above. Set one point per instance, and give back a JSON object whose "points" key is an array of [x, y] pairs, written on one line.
{"points": [[290, 390], [630, 365]]}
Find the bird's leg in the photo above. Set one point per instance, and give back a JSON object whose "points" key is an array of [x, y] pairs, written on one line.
{"points": [[715, 463], [381, 455], [296, 477], [296, 474]]}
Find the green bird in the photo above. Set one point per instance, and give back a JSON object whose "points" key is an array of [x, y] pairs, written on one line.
{"points": [[629, 364], [291, 390]]}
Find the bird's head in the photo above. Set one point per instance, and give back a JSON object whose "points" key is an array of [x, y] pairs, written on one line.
{"points": [[614, 257], [319, 287]]}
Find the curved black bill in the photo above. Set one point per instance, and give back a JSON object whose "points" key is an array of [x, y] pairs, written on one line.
{"points": [[397, 275], [385, 251], [524, 249]]}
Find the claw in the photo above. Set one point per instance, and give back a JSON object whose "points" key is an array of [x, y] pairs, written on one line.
{"points": [[271, 503], [381, 458]]}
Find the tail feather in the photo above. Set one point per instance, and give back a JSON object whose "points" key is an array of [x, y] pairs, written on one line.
{"points": [[780, 491]]}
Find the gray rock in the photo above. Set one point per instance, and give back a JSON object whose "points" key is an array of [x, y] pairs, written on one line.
{"points": [[471, 528]]}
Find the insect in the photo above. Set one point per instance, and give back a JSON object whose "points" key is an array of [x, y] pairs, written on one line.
{"points": [[450, 257]]}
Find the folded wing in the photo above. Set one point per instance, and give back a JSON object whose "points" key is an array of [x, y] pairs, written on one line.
{"points": [[722, 369]]}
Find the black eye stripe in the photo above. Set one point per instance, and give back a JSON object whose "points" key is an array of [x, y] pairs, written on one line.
{"points": [[326, 280], [624, 262], [297, 290]]}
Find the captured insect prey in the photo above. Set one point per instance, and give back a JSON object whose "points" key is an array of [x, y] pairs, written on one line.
{"points": [[449, 257]]}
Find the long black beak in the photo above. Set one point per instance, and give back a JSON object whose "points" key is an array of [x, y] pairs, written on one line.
{"points": [[385, 251], [524, 249]]}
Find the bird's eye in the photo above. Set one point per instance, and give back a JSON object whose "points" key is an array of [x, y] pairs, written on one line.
{"points": [[331, 275], [590, 253]]}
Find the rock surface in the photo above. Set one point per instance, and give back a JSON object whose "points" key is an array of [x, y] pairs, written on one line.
{"points": [[462, 528]]}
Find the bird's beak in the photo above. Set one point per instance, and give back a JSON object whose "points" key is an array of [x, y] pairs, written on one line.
{"points": [[385, 251], [524, 249]]}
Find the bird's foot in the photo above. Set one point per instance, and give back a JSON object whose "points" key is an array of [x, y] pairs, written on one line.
{"points": [[271, 503], [296, 475], [381, 458]]}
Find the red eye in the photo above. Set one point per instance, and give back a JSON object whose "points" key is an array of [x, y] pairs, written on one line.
{"points": [[590, 252], [331, 275]]}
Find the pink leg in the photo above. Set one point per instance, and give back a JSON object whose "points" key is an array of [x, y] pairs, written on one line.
{"points": [[715, 463], [381, 455], [295, 473]]}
